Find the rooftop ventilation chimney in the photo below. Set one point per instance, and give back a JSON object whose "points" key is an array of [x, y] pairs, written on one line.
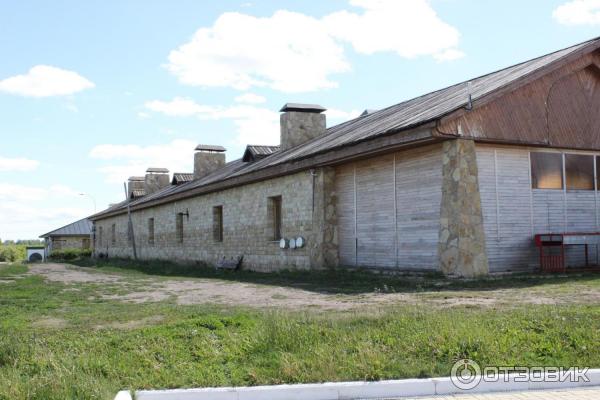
{"points": [[155, 179], [135, 183], [300, 123], [208, 159]]}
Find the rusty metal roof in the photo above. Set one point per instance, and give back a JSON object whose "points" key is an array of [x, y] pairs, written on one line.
{"points": [[402, 116], [181, 177], [83, 227]]}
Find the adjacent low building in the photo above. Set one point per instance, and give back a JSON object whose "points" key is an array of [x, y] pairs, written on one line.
{"points": [[457, 181], [77, 235]]}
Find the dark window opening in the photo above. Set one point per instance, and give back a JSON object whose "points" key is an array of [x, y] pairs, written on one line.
{"points": [[113, 234], [218, 223], [579, 172], [179, 227], [150, 231], [275, 217], [546, 170]]}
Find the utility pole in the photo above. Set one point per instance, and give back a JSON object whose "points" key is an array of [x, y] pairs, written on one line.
{"points": [[130, 222]]}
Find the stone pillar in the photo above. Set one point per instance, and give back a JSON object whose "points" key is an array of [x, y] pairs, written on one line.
{"points": [[462, 239], [323, 243]]}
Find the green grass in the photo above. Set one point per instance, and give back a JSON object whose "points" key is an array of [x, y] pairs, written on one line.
{"points": [[341, 281], [65, 344]]}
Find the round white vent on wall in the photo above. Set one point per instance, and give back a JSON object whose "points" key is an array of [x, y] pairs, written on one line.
{"points": [[292, 243], [282, 243], [300, 242]]}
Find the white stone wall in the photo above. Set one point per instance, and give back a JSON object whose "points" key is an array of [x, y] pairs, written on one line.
{"points": [[245, 227]]}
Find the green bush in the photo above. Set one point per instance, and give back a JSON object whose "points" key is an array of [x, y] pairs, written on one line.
{"points": [[70, 254], [12, 253]]}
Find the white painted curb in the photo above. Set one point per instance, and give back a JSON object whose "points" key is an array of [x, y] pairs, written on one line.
{"points": [[353, 390]]}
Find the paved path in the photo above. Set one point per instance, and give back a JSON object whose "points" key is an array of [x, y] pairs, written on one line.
{"points": [[569, 394]]}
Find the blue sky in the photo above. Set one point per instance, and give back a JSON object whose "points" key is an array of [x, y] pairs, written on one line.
{"points": [[93, 92]]}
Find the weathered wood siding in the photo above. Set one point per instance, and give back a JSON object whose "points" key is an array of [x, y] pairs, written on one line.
{"points": [[389, 210], [513, 212], [559, 109]]}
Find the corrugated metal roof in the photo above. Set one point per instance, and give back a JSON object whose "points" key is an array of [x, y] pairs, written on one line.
{"points": [[82, 227], [181, 177], [137, 193], [402, 116], [256, 152], [210, 147]]}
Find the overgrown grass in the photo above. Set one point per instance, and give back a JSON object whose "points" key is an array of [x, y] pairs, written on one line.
{"points": [[56, 343]]}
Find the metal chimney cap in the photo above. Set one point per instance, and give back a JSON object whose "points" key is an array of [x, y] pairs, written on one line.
{"points": [[298, 107], [211, 148], [136, 178], [157, 170]]}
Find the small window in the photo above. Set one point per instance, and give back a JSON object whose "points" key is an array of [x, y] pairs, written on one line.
{"points": [[546, 170], [179, 227], [218, 223], [579, 171], [129, 232], [85, 243], [113, 234], [274, 216], [150, 231]]}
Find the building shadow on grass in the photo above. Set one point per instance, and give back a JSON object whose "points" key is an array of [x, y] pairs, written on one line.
{"points": [[343, 281]]}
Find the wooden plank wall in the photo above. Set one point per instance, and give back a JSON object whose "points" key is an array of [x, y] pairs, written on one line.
{"points": [[513, 212], [400, 234]]}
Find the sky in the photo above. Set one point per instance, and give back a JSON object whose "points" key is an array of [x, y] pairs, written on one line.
{"points": [[92, 92]]}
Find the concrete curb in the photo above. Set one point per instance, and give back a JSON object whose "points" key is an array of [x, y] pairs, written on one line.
{"points": [[354, 390]]}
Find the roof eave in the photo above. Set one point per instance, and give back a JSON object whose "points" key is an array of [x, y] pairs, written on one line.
{"points": [[386, 142]]}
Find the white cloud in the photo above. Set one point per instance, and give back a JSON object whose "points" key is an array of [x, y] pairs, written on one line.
{"points": [[133, 159], [288, 51], [250, 98], [143, 115], [255, 125], [578, 12], [17, 164], [293, 52], [44, 81], [18, 192], [27, 211], [410, 28]]}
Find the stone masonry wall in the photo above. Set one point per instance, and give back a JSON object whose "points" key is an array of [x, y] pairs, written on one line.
{"points": [[461, 247], [246, 230], [68, 242]]}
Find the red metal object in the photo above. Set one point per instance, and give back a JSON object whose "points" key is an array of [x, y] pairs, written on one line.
{"points": [[552, 248]]}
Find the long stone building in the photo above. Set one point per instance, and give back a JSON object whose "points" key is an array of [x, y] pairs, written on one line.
{"points": [[458, 181]]}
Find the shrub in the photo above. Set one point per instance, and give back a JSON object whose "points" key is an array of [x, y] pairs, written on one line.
{"points": [[70, 254], [12, 253]]}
